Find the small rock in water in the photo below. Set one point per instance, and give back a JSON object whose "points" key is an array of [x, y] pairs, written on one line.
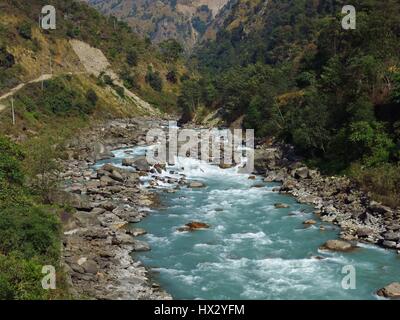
{"points": [[225, 165], [390, 291], [196, 184], [337, 245], [281, 205], [136, 232], [194, 225], [258, 185], [309, 222], [197, 225], [252, 178], [169, 190]]}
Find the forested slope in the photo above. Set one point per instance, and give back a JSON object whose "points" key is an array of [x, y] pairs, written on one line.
{"points": [[48, 112], [293, 72]]}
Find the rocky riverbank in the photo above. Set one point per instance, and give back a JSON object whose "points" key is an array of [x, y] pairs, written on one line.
{"points": [[98, 237], [336, 199]]}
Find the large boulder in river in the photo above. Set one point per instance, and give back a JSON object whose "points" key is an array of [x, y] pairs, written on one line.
{"points": [[141, 163], [337, 245], [390, 291]]}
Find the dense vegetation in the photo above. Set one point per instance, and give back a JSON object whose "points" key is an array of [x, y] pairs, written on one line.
{"points": [[293, 72], [129, 54], [47, 113], [29, 231]]}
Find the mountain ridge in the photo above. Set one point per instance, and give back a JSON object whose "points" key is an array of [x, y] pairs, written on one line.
{"points": [[184, 20]]}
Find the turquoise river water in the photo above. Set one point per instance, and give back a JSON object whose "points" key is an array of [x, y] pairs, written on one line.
{"points": [[252, 250]]}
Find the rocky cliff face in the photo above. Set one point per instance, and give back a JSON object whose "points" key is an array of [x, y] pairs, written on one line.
{"points": [[184, 20]]}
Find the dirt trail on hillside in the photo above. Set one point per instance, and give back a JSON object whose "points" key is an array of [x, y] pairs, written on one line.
{"points": [[95, 63], [13, 91], [43, 77]]}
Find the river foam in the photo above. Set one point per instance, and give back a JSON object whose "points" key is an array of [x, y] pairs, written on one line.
{"points": [[252, 250]]}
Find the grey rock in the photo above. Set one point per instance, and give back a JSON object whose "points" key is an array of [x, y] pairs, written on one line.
{"points": [[393, 236], [365, 232], [116, 176], [389, 244], [90, 266], [301, 173], [196, 184], [141, 163], [140, 246]]}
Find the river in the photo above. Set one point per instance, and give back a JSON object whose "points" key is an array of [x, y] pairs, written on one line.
{"points": [[252, 250]]}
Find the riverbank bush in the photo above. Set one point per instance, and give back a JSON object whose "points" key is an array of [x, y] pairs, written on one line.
{"points": [[29, 231], [383, 182]]}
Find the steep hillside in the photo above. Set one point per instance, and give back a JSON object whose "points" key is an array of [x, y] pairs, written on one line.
{"points": [[183, 20], [289, 70], [26, 52], [58, 83]]}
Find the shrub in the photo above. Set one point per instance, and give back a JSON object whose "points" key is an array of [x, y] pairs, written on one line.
{"points": [[61, 99], [130, 80], [11, 174], [171, 50], [20, 279], [132, 58], [120, 91], [10, 158], [41, 167], [32, 231], [25, 30], [7, 60], [172, 77], [154, 80], [382, 182], [107, 80], [92, 97]]}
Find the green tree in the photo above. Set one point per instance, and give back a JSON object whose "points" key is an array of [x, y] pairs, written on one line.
{"points": [[154, 80], [132, 58], [92, 97], [372, 142], [25, 30], [171, 50]]}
